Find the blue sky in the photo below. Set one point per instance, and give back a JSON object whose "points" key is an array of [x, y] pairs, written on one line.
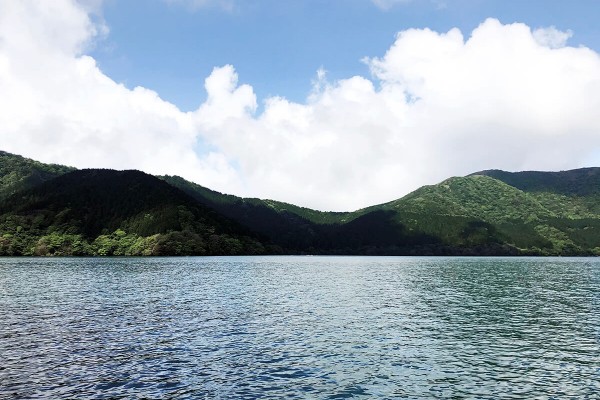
{"points": [[227, 93], [277, 46]]}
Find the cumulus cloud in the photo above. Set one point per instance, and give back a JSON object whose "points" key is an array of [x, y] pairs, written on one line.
{"points": [[56, 105], [551, 37], [436, 105], [439, 105]]}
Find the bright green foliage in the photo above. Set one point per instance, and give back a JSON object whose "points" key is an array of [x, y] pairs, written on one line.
{"points": [[56, 244], [479, 197]]}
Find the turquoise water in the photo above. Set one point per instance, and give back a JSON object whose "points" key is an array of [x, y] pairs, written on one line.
{"points": [[300, 327]]}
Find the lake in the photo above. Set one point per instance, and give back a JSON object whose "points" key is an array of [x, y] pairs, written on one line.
{"points": [[299, 327]]}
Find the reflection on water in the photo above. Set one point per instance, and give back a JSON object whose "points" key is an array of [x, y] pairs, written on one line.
{"points": [[300, 327]]}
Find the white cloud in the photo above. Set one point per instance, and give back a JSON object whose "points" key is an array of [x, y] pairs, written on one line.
{"points": [[442, 106], [58, 106], [551, 37], [437, 105]]}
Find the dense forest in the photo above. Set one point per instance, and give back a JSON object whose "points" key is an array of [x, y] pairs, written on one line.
{"points": [[106, 212], [56, 210]]}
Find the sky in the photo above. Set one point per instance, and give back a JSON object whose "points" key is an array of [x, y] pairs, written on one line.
{"points": [[333, 105]]}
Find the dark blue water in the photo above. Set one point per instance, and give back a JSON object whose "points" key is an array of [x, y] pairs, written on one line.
{"points": [[300, 327]]}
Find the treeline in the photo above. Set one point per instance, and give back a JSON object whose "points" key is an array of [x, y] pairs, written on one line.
{"points": [[121, 243]]}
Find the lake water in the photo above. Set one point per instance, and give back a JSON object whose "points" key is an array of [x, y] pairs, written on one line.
{"points": [[300, 327]]}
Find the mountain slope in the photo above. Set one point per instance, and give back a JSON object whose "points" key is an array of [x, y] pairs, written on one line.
{"points": [[53, 210], [19, 173], [576, 182], [374, 230], [569, 194], [476, 214], [476, 196], [531, 220], [292, 227], [136, 211]]}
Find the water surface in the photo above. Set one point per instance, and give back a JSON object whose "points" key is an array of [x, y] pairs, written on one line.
{"points": [[300, 327]]}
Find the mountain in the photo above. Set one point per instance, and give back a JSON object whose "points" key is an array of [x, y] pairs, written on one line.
{"points": [[569, 194], [384, 229], [19, 173], [302, 230], [553, 213], [486, 213], [106, 212], [292, 227], [50, 209], [576, 182]]}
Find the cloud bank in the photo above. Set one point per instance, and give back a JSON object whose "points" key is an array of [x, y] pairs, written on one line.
{"points": [[436, 105]]}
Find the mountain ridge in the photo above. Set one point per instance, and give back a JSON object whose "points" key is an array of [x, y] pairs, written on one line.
{"points": [[490, 212], [107, 212]]}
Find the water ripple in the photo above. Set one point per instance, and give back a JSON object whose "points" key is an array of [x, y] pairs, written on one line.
{"points": [[300, 327]]}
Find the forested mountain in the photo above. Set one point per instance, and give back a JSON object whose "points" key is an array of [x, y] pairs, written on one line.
{"points": [[292, 227], [577, 182], [18, 173], [477, 214], [55, 210], [384, 229], [490, 212], [108, 212], [569, 194], [303, 230], [543, 222]]}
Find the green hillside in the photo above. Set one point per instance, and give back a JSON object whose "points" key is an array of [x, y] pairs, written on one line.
{"points": [[294, 228], [569, 194], [54, 210], [106, 212], [209, 196], [18, 173], [576, 182], [475, 196], [485, 213], [541, 219], [374, 230]]}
